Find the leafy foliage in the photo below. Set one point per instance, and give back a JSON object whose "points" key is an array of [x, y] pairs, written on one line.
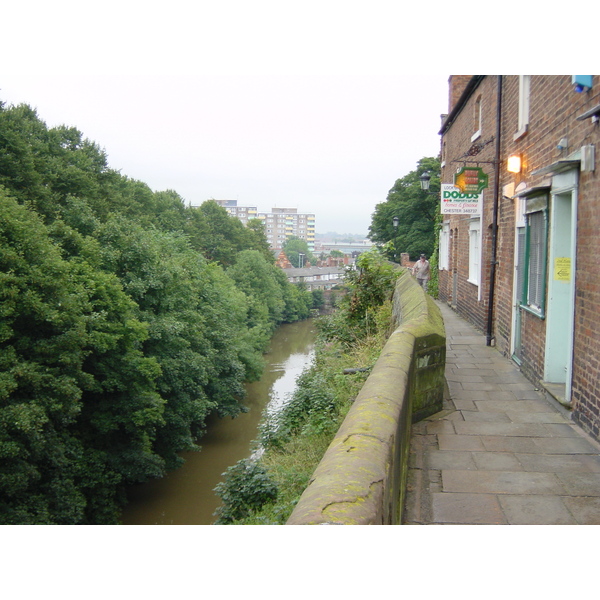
{"points": [[416, 211], [126, 318], [295, 439], [293, 247], [369, 287], [246, 488]]}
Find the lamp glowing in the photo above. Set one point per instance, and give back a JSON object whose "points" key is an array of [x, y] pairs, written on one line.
{"points": [[513, 165]]}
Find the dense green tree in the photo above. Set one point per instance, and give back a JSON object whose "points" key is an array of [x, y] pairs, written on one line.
{"points": [[293, 247], [258, 279], [258, 239], [78, 406], [318, 298], [197, 327], [120, 329], [297, 299], [416, 211], [220, 237]]}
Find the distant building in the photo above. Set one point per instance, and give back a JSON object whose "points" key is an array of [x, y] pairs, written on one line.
{"points": [[350, 248], [280, 224], [316, 278], [243, 213]]}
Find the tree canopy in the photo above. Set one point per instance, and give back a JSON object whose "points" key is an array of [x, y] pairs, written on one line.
{"points": [[126, 318], [293, 247], [416, 211]]}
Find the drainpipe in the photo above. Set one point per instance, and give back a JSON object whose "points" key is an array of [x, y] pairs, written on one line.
{"points": [[493, 261]]}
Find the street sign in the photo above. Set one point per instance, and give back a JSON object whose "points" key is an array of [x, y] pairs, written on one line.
{"points": [[471, 180]]}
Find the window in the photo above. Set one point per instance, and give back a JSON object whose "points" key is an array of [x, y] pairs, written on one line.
{"points": [[474, 250], [477, 119], [523, 118], [536, 241], [444, 247]]}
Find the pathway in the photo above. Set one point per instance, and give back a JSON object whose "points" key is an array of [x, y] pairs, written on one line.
{"points": [[499, 452]]}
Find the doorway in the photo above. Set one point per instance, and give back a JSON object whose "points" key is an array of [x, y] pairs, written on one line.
{"points": [[561, 285]]}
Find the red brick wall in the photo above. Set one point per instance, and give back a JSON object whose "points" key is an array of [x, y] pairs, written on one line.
{"points": [[470, 301], [553, 111], [456, 86]]}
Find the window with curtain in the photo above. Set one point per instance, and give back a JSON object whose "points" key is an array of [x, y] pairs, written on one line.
{"points": [[536, 268]]}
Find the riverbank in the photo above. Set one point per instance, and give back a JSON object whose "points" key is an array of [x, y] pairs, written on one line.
{"points": [[295, 442], [186, 495]]}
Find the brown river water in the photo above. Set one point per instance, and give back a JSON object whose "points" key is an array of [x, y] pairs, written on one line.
{"points": [[186, 496]]}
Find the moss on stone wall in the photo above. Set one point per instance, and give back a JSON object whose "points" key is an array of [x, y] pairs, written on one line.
{"points": [[362, 477]]}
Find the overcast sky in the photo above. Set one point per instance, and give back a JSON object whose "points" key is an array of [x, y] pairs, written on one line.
{"points": [[315, 105]]}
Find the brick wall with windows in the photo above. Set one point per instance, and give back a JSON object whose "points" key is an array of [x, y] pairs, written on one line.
{"points": [[470, 141], [540, 123]]}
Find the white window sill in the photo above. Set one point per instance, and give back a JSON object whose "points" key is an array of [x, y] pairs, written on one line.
{"points": [[520, 133], [476, 135], [476, 283]]}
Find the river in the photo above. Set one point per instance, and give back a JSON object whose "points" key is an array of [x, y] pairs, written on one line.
{"points": [[186, 496]]}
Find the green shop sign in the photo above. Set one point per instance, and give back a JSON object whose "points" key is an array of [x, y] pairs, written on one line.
{"points": [[471, 180]]}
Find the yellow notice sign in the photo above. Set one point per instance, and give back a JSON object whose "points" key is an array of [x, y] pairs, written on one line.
{"points": [[562, 269]]}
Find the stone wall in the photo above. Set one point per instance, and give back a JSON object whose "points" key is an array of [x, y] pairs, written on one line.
{"points": [[362, 477]]}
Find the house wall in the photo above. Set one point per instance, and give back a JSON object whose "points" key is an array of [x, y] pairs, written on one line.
{"points": [[470, 300], [554, 108]]}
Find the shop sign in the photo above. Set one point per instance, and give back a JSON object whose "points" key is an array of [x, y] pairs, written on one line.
{"points": [[455, 202], [471, 180]]}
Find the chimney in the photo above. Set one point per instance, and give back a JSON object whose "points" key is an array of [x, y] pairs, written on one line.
{"points": [[456, 85]]}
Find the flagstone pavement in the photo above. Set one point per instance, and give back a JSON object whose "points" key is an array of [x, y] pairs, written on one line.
{"points": [[500, 452]]}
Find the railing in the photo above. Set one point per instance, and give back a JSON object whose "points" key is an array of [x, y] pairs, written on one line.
{"points": [[362, 476]]}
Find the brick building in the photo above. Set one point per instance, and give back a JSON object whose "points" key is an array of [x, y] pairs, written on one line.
{"points": [[524, 267]]}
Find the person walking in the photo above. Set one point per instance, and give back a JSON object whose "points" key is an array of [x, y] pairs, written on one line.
{"points": [[421, 271]]}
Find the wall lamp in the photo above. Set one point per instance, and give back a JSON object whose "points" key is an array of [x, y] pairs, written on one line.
{"points": [[513, 164]]}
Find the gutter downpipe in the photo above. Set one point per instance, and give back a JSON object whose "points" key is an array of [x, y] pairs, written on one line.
{"points": [[493, 260]]}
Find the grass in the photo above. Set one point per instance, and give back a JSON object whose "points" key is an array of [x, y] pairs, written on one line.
{"points": [[296, 442]]}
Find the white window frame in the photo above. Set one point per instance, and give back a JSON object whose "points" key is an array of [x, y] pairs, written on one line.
{"points": [[478, 118], [444, 260], [474, 251], [524, 101]]}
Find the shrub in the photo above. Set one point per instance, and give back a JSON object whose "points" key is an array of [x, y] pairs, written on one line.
{"points": [[246, 489]]}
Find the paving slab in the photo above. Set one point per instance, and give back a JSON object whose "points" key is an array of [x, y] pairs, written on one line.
{"points": [[501, 452], [572, 463], [497, 461], [467, 509], [501, 482], [536, 510], [586, 510]]}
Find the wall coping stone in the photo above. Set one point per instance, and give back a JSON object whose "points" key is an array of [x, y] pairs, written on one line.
{"points": [[362, 476]]}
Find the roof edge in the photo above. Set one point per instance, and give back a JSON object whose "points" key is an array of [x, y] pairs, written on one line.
{"points": [[469, 89]]}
